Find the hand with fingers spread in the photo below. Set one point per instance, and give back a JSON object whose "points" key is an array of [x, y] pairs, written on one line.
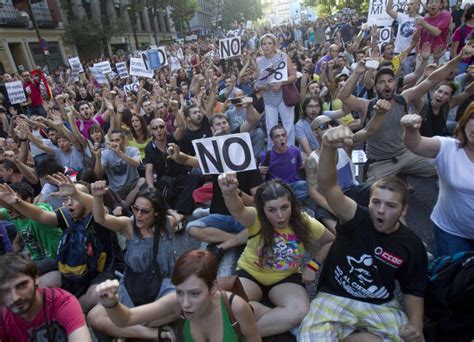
{"points": [[339, 136], [7, 195], [411, 121], [99, 188], [228, 182], [173, 151], [64, 183], [107, 292], [21, 131], [382, 106]]}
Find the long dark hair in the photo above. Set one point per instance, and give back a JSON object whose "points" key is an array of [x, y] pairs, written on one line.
{"points": [[159, 207], [273, 190], [144, 126]]}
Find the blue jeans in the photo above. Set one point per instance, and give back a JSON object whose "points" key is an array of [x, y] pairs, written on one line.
{"points": [[223, 222], [447, 244], [300, 188]]}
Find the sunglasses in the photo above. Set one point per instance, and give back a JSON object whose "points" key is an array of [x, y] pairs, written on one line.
{"points": [[138, 210], [154, 128]]}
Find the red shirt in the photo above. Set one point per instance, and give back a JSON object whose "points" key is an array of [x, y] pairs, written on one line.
{"points": [[66, 311], [33, 89], [441, 21]]}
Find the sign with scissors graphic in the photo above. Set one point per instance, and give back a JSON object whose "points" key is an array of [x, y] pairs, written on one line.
{"points": [[277, 72]]}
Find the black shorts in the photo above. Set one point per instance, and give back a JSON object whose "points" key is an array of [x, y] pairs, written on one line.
{"points": [[78, 289], [295, 278]]}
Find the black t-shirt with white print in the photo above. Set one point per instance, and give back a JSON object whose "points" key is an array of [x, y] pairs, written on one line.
{"points": [[363, 263]]}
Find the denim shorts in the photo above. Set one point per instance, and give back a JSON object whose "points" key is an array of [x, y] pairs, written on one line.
{"points": [[224, 222]]}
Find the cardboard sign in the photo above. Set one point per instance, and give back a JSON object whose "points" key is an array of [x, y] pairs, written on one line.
{"points": [[15, 92], [98, 75], [104, 67], [129, 88], [163, 56], [75, 64], [138, 68], [277, 72], [229, 47], [225, 153], [122, 69]]}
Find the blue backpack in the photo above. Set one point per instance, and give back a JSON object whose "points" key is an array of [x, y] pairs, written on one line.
{"points": [[80, 253]]}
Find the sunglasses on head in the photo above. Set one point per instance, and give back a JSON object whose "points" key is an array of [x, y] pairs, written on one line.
{"points": [[138, 210], [154, 128]]}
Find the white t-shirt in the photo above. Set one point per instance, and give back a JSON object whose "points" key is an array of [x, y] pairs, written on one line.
{"points": [[406, 29], [454, 210]]}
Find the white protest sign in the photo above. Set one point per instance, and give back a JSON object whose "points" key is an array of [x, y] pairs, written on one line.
{"points": [[277, 72], [248, 25], [75, 64], [225, 153], [229, 47], [163, 56], [384, 35], [98, 75], [15, 92], [122, 69], [104, 67], [377, 14], [129, 88], [74, 76], [138, 68]]}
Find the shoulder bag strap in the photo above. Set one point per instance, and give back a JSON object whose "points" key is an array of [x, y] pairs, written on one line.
{"points": [[235, 323]]}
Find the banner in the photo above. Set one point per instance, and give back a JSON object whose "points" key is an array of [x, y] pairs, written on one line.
{"points": [[377, 14], [225, 153], [15, 91]]}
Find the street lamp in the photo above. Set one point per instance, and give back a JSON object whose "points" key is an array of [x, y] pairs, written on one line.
{"points": [[24, 17]]}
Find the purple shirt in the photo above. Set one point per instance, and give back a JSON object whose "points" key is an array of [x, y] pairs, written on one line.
{"points": [[284, 165], [84, 125]]}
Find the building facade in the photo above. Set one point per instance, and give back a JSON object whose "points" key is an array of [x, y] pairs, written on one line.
{"points": [[20, 47]]}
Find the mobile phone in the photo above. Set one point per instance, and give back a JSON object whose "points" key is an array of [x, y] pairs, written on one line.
{"points": [[372, 64], [236, 101]]}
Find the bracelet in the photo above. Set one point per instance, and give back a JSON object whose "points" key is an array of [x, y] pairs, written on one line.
{"points": [[23, 139], [314, 265], [111, 307]]}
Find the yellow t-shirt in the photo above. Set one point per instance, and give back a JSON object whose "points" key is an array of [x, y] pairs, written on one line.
{"points": [[288, 252], [141, 147]]}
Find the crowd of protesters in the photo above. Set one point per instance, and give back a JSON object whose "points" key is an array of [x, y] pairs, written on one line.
{"points": [[96, 182]]}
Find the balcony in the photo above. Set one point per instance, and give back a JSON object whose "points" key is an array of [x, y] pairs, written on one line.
{"points": [[8, 17]]}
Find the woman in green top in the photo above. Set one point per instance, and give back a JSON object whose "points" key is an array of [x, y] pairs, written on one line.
{"points": [[141, 134], [197, 300]]}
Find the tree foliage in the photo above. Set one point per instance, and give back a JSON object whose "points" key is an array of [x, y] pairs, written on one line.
{"points": [[90, 35], [328, 7], [241, 10], [182, 11]]}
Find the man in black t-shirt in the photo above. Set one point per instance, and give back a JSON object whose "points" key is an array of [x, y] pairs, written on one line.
{"points": [[220, 226], [372, 250], [197, 128]]}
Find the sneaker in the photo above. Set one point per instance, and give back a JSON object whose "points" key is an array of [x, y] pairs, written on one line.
{"points": [[200, 212], [217, 251]]}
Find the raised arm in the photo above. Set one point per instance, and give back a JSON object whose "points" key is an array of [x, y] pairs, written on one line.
{"points": [[354, 103], [415, 93], [229, 187], [422, 146], [181, 158], [342, 206], [27, 209], [381, 107], [121, 224], [390, 11], [252, 115]]}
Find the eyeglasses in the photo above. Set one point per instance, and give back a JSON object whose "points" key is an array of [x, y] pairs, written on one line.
{"points": [[138, 210], [154, 128]]}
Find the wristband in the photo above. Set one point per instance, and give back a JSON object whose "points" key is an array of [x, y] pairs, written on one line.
{"points": [[111, 307], [23, 139], [314, 265]]}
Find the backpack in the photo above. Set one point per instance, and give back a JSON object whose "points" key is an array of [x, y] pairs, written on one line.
{"points": [[80, 253], [449, 298]]}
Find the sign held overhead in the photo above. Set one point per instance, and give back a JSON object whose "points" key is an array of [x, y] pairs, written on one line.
{"points": [[230, 47], [225, 153]]}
